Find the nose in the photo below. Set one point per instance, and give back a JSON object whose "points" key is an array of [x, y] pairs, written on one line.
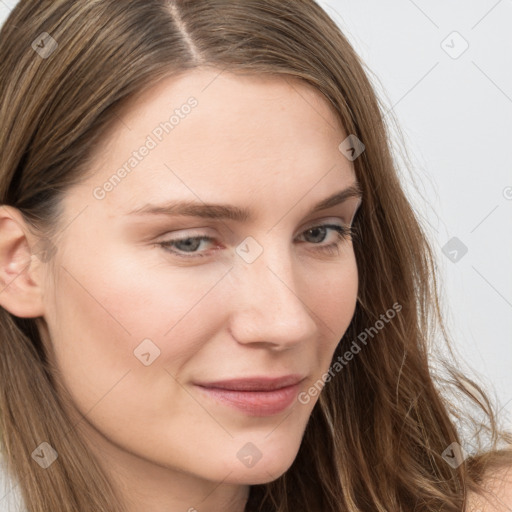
{"points": [[269, 303]]}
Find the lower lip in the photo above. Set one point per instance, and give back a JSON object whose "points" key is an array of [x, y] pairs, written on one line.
{"points": [[256, 403]]}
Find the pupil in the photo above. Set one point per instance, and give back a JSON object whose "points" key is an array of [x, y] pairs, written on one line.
{"points": [[187, 243], [318, 229]]}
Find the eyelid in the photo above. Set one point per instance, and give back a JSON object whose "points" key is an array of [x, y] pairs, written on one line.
{"points": [[328, 218], [332, 219], [349, 212], [350, 207], [200, 231]]}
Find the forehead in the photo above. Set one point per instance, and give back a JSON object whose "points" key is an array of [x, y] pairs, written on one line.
{"points": [[206, 132], [218, 89]]}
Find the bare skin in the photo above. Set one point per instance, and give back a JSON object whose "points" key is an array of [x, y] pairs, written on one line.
{"points": [[266, 144]]}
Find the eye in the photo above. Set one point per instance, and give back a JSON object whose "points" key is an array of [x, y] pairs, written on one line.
{"points": [[187, 247], [341, 234]]}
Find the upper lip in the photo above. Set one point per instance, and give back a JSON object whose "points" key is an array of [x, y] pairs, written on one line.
{"points": [[254, 383]]}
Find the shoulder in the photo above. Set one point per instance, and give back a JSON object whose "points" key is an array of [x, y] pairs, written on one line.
{"points": [[498, 493]]}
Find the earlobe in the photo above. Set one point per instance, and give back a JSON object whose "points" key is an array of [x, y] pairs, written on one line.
{"points": [[20, 282]]}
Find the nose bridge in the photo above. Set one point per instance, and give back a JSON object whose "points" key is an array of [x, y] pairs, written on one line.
{"points": [[268, 305]]}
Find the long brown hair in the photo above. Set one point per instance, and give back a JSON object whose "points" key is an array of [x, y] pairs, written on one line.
{"points": [[376, 438]]}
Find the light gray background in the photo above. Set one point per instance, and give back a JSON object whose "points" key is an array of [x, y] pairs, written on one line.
{"points": [[456, 116]]}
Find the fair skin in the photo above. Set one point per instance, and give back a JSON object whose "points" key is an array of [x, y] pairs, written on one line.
{"points": [[265, 144], [498, 492]]}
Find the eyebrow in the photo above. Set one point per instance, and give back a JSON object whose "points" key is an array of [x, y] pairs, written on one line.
{"points": [[234, 213]]}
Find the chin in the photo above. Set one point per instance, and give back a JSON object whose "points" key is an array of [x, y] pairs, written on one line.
{"points": [[268, 468], [262, 475]]}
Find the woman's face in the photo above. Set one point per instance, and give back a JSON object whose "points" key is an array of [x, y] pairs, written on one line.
{"points": [[146, 303]]}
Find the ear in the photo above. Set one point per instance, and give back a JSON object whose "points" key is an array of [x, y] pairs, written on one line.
{"points": [[20, 270]]}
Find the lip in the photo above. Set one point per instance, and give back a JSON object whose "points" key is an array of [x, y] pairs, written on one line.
{"points": [[255, 396], [256, 383]]}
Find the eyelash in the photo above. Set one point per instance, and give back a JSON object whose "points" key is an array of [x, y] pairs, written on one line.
{"points": [[343, 233]]}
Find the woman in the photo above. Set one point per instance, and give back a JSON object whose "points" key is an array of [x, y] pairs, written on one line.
{"points": [[215, 293]]}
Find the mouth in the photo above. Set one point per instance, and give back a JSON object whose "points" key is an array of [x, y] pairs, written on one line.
{"points": [[256, 396]]}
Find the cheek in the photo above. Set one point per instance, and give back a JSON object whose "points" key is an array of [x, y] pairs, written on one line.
{"points": [[110, 314], [336, 295], [332, 300]]}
